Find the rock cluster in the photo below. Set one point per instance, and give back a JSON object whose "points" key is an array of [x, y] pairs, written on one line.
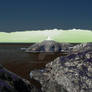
{"points": [[10, 82], [48, 46], [72, 73], [82, 47]]}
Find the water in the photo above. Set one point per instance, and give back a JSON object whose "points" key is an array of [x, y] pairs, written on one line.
{"points": [[21, 63]]}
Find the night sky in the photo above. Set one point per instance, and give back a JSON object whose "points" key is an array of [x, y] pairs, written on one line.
{"points": [[19, 15]]}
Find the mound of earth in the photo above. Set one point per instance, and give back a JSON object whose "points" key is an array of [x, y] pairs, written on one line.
{"points": [[72, 73], [10, 82], [48, 46]]}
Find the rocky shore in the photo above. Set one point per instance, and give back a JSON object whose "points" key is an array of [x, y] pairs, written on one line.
{"points": [[70, 73]]}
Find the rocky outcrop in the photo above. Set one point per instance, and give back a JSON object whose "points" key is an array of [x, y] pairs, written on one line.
{"points": [[48, 46], [72, 73], [10, 82], [82, 47]]}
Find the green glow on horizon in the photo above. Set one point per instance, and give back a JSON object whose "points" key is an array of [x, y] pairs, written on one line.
{"points": [[74, 36]]}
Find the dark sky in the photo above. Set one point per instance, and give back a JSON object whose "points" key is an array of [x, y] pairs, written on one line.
{"points": [[45, 14]]}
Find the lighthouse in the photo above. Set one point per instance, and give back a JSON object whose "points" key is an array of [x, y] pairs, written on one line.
{"points": [[49, 38]]}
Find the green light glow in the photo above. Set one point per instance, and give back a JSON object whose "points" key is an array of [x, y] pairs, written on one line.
{"points": [[74, 35]]}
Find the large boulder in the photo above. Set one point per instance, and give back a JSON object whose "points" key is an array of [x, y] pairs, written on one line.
{"points": [[48, 46], [10, 82], [72, 73]]}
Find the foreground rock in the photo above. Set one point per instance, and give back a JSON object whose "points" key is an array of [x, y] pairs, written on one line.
{"points": [[10, 82], [48, 46], [72, 73]]}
